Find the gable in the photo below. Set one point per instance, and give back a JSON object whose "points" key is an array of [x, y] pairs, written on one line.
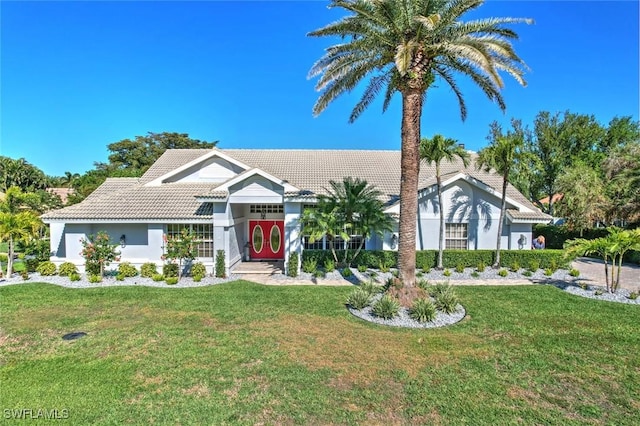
{"points": [[212, 170], [256, 189]]}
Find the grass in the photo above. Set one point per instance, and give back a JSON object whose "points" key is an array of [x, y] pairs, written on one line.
{"points": [[242, 353]]}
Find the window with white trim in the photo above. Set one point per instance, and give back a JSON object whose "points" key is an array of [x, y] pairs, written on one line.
{"points": [[456, 236], [316, 245], [266, 208], [202, 231]]}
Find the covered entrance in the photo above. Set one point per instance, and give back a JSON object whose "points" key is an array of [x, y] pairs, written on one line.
{"points": [[266, 239]]}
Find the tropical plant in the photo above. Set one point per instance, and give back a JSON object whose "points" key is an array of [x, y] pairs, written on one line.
{"points": [[182, 248], [98, 252], [404, 46], [423, 310], [359, 299], [447, 300], [15, 227], [386, 307], [502, 155], [435, 150]]}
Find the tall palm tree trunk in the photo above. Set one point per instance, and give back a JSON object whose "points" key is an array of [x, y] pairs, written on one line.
{"points": [[503, 208], [442, 230], [410, 167]]}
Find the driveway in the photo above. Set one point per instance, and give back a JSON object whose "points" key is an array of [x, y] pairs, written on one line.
{"points": [[592, 272]]}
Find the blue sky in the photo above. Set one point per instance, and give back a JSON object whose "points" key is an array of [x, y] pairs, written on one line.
{"points": [[76, 76]]}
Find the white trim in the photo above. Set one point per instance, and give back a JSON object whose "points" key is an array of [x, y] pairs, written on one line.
{"points": [[163, 220], [252, 172], [214, 153]]}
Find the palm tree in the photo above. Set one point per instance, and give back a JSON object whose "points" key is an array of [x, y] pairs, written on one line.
{"points": [[405, 46], [597, 246], [435, 150], [502, 154], [16, 227]]}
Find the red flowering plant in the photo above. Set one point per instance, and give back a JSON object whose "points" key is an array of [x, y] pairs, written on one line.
{"points": [[98, 252]]}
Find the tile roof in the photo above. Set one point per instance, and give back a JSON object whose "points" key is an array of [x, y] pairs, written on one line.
{"points": [[308, 170]]}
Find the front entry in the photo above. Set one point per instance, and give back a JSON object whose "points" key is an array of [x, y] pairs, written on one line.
{"points": [[266, 238]]}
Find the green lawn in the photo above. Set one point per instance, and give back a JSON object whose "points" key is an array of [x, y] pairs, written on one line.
{"points": [[242, 353]]}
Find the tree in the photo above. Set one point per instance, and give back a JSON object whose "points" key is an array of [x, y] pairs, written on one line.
{"points": [[597, 246], [182, 248], [137, 155], [583, 202], [622, 170], [622, 241], [98, 252], [22, 174], [322, 220], [15, 227], [435, 150], [405, 46], [501, 156]]}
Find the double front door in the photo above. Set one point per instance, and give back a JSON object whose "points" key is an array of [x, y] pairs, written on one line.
{"points": [[266, 239]]}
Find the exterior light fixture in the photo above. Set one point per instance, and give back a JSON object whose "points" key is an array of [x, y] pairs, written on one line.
{"points": [[123, 240], [394, 241], [263, 214]]}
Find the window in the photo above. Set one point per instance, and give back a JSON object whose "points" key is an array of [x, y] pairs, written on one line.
{"points": [[266, 208], [456, 236], [316, 245], [202, 231]]}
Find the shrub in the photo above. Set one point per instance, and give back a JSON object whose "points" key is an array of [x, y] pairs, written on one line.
{"points": [[633, 295], [197, 278], [424, 285], [359, 299], [148, 270], [534, 265], [446, 273], [346, 272], [120, 277], [387, 307], [371, 288], [548, 272], [475, 274], [47, 268], [66, 269], [126, 269], [4, 257], [460, 268], [515, 267], [574, 273], [362, 268], [481, 267], [309, 266], [171, 280], [292, 269], [584, 286], [553, 265], [198, 268], [92, 268], [74, 277], [24, 274], [503, 273], [319, 274], [170, 269], [220, 267], [598, 292], [384, 267], [95, 278], [447, 300], [99, 251], [329, 265], [423, 310], [31, 264], [527, 273], [157, 277]]}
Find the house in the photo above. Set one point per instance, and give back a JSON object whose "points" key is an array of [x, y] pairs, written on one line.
{"points": [[232, 197]]}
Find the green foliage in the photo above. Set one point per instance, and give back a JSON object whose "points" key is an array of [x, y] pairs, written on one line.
{"points": [[171, 280], [24, 274], [66, 269], [47, 268], [292, 269], [3, 257], [446, 273], [460, 268], [384, 267], [197, 278], [557, 236], [574, 273], [371, 288], [475, 274], [170, 269], [633, 295], [39, 248], [503, 272], [31, 264], [362, 268], [387, 307], [423, 310], [329, 265], [198, 268], [148, 270], [527, 273], [515, 267], [220, 266], [447, 300], [424, 285], [98, 250], [95, 278], [598, 292], [481, 267], [309, 265], [359, 299], [318, 273], [74, 277], [92, 268], [346, 272], [126, 269], [548, 272], [182, 248], [120, 277], [534, 265], [157, 277]]}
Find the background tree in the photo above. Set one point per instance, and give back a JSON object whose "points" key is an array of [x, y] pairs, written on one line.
{"points": [[435, 150], [622, 169], [502, 155], [405, 46], [583, 202], [16, 227], [22, 174]]}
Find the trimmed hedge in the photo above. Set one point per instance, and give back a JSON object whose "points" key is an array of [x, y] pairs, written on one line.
{"points": [[427, 259], [555, 236]]}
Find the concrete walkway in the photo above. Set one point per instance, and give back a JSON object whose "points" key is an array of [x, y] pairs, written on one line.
{"points": [[592, 272]]}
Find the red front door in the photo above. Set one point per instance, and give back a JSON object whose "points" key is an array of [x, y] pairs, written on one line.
{"points": [[266, 238]]}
